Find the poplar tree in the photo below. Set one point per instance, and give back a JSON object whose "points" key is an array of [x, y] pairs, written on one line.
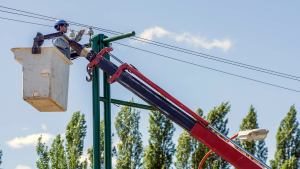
{"points": [[183, 151], [257, 148], [198, 149], [287, 153], [129, 149], [217, 118], [0, 157], [160, 150], [75, 134], [43, 155], [90, 150], [58, 154]]}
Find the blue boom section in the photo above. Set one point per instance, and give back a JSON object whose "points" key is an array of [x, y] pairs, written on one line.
{"points": [[150, 96]]}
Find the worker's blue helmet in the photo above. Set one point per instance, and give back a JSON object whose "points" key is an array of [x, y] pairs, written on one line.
{"points": [[60, 23]]}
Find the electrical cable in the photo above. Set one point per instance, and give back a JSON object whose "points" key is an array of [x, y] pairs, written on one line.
{"points": [[209, 68], [179, 60], [171, 47], [33, 23]]}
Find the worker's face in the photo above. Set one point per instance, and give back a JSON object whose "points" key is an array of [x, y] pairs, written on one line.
{"points": [[64, 28]]}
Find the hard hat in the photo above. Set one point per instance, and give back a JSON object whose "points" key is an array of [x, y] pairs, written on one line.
{"points": [[60, 22]]}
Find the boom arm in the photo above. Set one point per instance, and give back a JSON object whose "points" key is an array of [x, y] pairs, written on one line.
{"points": [[179, 113]]}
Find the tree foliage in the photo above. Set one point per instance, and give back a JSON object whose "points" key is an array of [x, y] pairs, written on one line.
{"points": [[287, 153], [257, 148], [58, 154], [160, 150], [43, 155], [130, 148], [90, 150], [0, 158], [183, 151], [217, 118], [198, 149], [75, 134], [59, 157]]}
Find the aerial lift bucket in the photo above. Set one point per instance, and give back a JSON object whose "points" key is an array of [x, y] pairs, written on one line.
{"points": [[45, 78]]}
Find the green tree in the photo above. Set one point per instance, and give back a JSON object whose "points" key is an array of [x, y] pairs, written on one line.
{"points": [[198, 149], [160, 150], [257, 148], [91, 156], [75, 134], [287, 153], [0, 157], [43, 155], [129, 150], [57, 157], [90, 150], [217, 118], [290, 163], [189, 151], [58, 154], [183, 151]]}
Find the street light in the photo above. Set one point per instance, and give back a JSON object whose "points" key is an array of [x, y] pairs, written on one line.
{"points": [[246, 135], [255, 134]]}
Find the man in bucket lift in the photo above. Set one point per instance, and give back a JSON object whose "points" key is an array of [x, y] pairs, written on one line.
{"points": [[62, 43]]}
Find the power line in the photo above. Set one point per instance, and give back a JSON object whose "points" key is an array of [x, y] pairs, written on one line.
{"points": [[14, 13], [227, 61], [209, 68], [33, 23], [179, 60], [53, 19], [170, 47]]}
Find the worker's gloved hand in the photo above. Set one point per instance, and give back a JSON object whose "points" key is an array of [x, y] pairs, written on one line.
{"points": [[79, 35]]}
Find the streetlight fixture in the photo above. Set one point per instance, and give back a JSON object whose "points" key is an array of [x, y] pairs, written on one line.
{"points": [[246, 135], [251, 135]]}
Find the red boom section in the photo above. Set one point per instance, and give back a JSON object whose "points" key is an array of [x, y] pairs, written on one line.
{"points": [[201, 130], [223, 148], [133, 70]]}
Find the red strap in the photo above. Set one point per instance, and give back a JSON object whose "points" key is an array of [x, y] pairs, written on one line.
{"points": [[99, 57]]}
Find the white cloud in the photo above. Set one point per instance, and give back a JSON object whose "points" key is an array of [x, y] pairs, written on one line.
{"points": [[22, 167], [154, 32], [196, 41], [44, 127], [224, 44], [32, 139]]}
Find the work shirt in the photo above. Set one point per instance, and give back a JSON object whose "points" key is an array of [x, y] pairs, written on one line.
{"points": [[62, 44]]}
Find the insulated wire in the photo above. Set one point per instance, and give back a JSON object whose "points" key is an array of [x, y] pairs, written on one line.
{"points": [[167, 46], [179, 60], [33, 23], [209, 68]]}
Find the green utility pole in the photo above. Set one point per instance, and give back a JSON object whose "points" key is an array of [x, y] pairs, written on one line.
{"points": [[98, 43], [105, 41], [96, 108], [107, 112], [97, 46]]}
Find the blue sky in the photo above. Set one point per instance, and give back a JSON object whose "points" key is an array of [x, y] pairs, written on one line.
{"points": [[264, 34]]}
